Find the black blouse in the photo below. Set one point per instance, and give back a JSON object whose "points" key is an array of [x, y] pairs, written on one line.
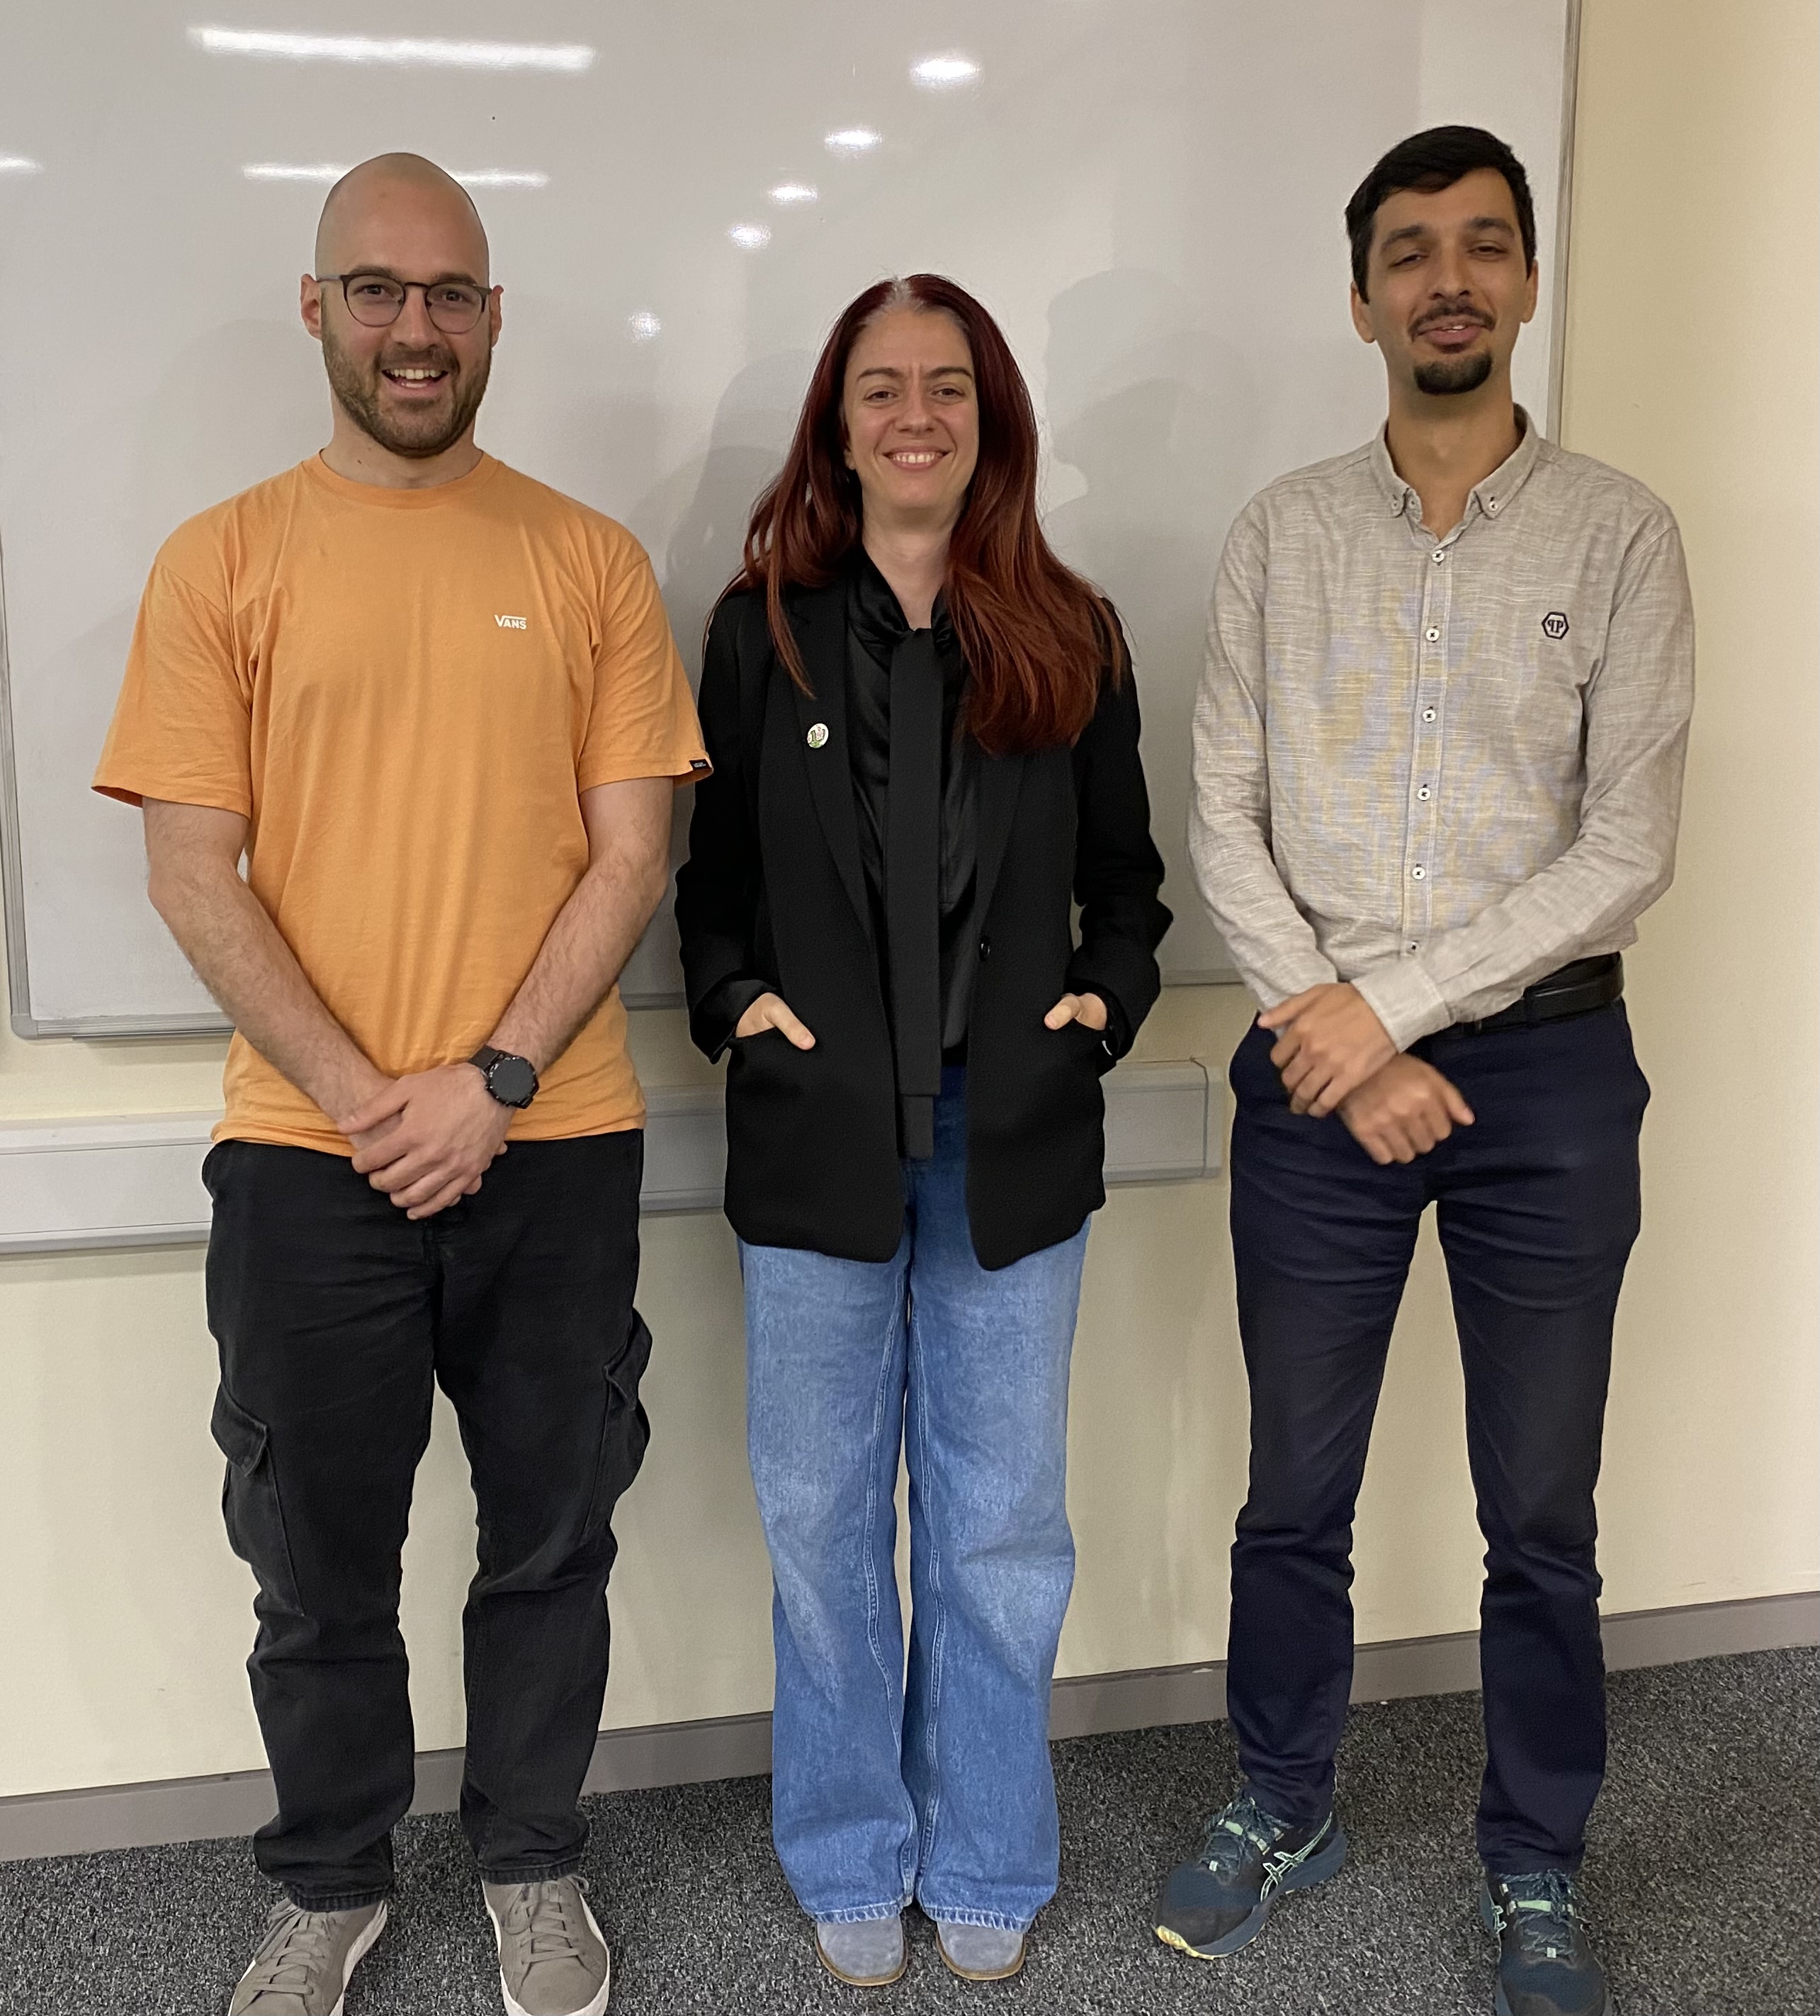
{"points": [[876, 626]]}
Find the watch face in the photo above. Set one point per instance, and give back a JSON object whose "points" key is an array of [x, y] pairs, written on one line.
{"points": [[512, 1081]]}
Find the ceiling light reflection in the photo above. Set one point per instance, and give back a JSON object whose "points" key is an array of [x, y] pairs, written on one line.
{"points": [[750, 237], [643, 327], [20, 164], [332, 171], [296, 171], [432, 51], [852, 140], [790, 192], [941, 72]]}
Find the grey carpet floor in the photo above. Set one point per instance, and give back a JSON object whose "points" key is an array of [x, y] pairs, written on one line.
{"points": [[1704, 1877]]}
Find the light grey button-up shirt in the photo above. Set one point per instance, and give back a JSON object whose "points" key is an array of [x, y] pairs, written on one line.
{"points": [[1440, 769]]}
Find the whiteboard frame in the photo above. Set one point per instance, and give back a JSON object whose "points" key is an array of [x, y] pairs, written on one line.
{"points": [[129, 1029]]}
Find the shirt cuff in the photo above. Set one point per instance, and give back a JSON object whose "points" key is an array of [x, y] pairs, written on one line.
{"points": [[1405, 1000]]}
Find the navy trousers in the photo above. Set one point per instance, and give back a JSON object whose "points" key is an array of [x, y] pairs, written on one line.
{"points": [[1536, 1207]]}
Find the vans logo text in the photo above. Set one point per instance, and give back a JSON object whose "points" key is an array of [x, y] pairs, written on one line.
{"points": [[511, 622]]}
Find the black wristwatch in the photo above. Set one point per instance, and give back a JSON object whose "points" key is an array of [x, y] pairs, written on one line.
{"points": [[512, 1081]]}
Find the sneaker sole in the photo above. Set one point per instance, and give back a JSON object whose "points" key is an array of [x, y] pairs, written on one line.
{"points": [[1501, 2002], [864, 1980], [595, 2007], [969, 1973], [1304, 1876]]}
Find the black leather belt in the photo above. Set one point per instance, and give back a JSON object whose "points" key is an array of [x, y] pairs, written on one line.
{"points": [[1574, 989]]}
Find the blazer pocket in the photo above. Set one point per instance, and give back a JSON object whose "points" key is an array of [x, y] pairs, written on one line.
{"points": [[251, 1508], [765, 1065], [1089, 1045]]}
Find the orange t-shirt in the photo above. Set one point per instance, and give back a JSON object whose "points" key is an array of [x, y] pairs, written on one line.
{"points": [[405, 692]]}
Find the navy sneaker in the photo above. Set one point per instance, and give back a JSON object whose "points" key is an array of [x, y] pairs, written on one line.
{"points": [[1546, 1966], [1221, 1900]]}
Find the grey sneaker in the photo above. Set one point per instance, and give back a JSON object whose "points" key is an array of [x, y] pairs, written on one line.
{"points": [[979, 1952], [866, 1952], [552, 1960], [306, 1959]]}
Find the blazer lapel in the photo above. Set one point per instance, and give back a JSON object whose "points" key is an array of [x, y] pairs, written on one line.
{"points": [[819, 619], [1001, 778]]}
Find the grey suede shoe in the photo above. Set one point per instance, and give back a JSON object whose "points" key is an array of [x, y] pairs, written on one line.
{"points": [[866, 1952], [979, 1952], [306, 1959], [552, 1960]]}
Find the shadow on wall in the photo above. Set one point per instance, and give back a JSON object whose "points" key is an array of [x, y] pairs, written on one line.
{"points": [[1132, 407], [752, 428]]}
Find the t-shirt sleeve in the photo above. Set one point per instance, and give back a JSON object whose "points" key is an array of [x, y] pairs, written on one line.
{"points": [[182, 725], [643, 721]]}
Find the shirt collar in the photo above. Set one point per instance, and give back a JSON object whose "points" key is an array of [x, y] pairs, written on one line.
{"points": [[1493, 496]]}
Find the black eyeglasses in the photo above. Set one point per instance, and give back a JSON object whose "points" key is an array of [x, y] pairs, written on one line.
{"points": [[377, 300]]}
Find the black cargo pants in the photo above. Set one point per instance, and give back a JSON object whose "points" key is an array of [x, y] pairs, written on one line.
{"points": [[334, 1313]]}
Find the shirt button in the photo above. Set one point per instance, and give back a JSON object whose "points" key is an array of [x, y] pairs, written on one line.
{"points": [[1411, 948], [1418, 872], [1439, 555], [1428, 714], [1434, 636], [1424, 793]]}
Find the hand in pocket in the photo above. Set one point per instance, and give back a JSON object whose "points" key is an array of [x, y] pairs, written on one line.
{"points": [[771, 1011]]}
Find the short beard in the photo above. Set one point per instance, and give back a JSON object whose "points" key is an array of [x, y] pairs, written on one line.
{"points": [[420, 436], [1453, 374]]}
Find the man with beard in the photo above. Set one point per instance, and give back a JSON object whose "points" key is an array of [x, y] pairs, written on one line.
{"points": [[1438, 756], [437, 708]]}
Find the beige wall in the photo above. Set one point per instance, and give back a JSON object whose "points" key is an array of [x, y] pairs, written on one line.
{"points": [[1690, 362]]}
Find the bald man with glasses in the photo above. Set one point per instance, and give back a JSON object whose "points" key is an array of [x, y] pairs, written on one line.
{"points": [[437, 708]]}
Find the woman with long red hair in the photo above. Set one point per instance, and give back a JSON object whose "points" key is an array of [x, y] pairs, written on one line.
{"points": [[924, 730]]}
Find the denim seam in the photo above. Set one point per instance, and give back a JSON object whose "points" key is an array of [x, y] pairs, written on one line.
{"points": [[879, 1408], [337, 1900], [533, 1872], [930, 1748], [865, 1914], [997, 1921]]}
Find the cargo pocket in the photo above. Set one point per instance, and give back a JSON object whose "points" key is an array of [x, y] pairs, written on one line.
{"points": [[625, 1428], [249, 1502]]}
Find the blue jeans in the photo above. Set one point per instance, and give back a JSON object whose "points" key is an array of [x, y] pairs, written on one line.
{"points": [[937, 1785]]}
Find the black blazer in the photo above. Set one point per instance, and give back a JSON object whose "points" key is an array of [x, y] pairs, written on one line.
{"points": [[773, 897]]}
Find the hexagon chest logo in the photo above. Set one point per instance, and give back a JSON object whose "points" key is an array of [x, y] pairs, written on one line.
{"points": [[1554, 625]]}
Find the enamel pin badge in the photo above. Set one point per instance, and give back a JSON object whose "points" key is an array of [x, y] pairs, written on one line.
{"points": [[817, 737]]}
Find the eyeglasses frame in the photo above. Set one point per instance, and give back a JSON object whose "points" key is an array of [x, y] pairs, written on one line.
{"points": [[376, 273]]}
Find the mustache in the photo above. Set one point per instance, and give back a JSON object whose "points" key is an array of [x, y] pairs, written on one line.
{"points": [[1449, 314], [434, 358]]}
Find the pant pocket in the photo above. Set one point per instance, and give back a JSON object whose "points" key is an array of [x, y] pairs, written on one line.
{"points": [[250, 1508], [625, 1427]]}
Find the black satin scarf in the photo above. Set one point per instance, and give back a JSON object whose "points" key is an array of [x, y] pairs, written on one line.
{"points": [[913, 790]]}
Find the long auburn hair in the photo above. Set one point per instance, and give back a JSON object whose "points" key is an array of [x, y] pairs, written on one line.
{"points": [[1036, 637]]}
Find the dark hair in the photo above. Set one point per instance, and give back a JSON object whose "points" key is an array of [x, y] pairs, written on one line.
{"points": [[1036, 637], [1432, 160]]}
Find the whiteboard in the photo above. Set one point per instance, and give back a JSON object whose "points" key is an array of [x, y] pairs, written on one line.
{"points": [[1146, 192]]}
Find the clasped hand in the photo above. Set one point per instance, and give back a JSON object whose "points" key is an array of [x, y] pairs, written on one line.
{"points": [[429, 1137], [1334, 1055], [1403, 1110], [1329, 1041]]}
